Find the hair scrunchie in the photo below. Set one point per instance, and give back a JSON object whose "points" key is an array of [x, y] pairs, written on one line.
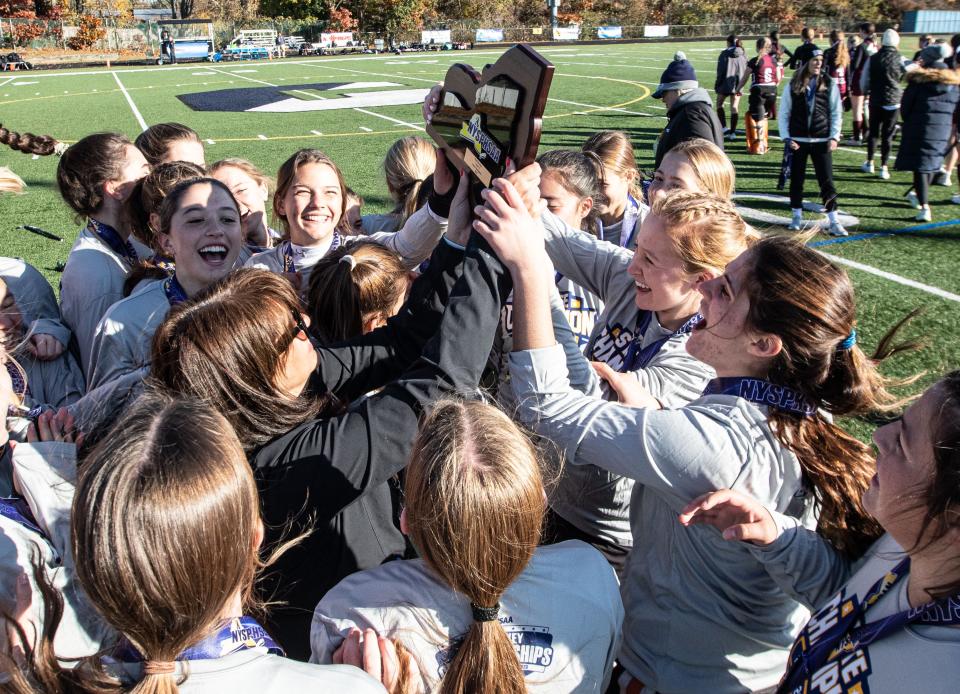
{"points": [[485, 614], [849, 341], [159, 667], [350, 260]]}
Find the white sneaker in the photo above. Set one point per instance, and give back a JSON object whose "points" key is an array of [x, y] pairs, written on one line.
{"points": [[796, 224], [923, 215], [836, 229], [913, 200], [884, 173], [955, 199], [867, 167], [942, 178], [730, 136]]}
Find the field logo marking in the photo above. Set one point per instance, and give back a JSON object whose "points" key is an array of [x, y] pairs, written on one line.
{"points": [[764, 217]]}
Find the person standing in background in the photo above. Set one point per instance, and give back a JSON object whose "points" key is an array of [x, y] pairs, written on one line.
{"points": [[731, 67], [881, 80]]}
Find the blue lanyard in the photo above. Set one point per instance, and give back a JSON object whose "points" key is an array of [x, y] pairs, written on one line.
{"points": [[18, 510], [628, 225], [17, 381], [164, 263], [812, 650], [175, 292], [239, 634], [638, 357], [289, 265], [764, 393], [111, 237]]}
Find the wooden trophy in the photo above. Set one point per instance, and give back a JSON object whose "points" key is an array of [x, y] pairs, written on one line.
{"points": [[485, 118]]}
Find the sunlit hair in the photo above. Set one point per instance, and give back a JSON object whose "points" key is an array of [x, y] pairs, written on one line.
{"points": [[409, 163], [706, 231], [342, 296], [475, 504], [615, 151], [808, 302], [10, 182], [227, 347], [243, 165], [287, 172], [838, 40], [155, 141], [581, 175], [86, 166], [712, 166]]}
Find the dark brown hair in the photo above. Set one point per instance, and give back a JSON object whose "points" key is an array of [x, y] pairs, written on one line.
{"points": [[475, 503], [227, 346], [156, 140], [808, 302], [288, 170], [580, 174], [86, 166], [343, 295], [28, 143]]}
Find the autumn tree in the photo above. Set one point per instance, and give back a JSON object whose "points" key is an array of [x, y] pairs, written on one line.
{"points": [[341, 19]]}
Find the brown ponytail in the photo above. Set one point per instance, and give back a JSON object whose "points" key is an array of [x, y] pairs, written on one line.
{"points": [[351, 285], [28, 143], [475, 506], [808, 302]]}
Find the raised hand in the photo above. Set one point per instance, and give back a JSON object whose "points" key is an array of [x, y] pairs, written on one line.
{"points": [[736, 515]]}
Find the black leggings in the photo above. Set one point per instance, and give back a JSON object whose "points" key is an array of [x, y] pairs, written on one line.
{"points": [[921, 185], [822, 158], [882, 124]]}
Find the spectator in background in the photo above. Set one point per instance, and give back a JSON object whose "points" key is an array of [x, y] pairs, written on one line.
{"points": [[924, 41], [777, 49], [731, 67], [837, 60], [689, 108], [881, 80], [954, 155], [805, 51], [858, 61], [810, 122], [167, 47], [928, 106]]}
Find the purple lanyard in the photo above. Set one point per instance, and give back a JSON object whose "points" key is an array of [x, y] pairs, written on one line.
{"points": [[638, 357], [763, 393], [174, 291], [111, 237], [239, 634]]}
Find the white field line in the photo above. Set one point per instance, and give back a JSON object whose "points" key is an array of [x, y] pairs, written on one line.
{"points": [[133, 106], [9, 79], [393, 120], [936, 291], [243, 77], [604, 108]]}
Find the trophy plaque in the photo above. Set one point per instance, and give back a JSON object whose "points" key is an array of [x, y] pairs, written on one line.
{"points": [[483, 119]]}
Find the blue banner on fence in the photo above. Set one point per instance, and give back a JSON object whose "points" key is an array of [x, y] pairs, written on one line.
{"points": [[487, 35], [609, 32]]}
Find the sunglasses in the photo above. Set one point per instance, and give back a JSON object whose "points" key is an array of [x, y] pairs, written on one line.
{"points": [[299, 326]]}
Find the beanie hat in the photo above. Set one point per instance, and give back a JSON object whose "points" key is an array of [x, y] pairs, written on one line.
{"points": [[891, 38], [678, 75], [934, 55]]}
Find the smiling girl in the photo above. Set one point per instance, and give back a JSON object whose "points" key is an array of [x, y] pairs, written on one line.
{"points": [[778, 329], [199, 228], [310, 203], [623, 210], [251, 190]]}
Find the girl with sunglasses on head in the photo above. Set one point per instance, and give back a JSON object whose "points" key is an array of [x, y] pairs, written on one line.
{"points": [[778, 330], [176, 580], [310, 202], [889, 622], [242, 348]]}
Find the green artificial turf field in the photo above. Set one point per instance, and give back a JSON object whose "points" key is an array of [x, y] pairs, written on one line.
{"points": [[595, 87]]}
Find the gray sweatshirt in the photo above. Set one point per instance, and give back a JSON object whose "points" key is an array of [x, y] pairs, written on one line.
{"points": [[593, 499], [702, 614], [563, 615], [915, 658]]}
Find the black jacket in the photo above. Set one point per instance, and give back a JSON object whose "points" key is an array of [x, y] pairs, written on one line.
{"points": [[334, 473], [927, 108], [731, 66], [885, 70], [800, 56], [691, 116]]}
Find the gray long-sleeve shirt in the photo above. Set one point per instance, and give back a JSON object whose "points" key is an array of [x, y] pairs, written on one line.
{"points": [[592, 498], [702, 614]]}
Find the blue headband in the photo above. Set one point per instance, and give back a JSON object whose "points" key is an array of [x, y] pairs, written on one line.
{"points": [[849, 341]]}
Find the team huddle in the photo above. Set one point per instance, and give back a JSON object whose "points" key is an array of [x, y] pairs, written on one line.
{"points": [[583, 436]]}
